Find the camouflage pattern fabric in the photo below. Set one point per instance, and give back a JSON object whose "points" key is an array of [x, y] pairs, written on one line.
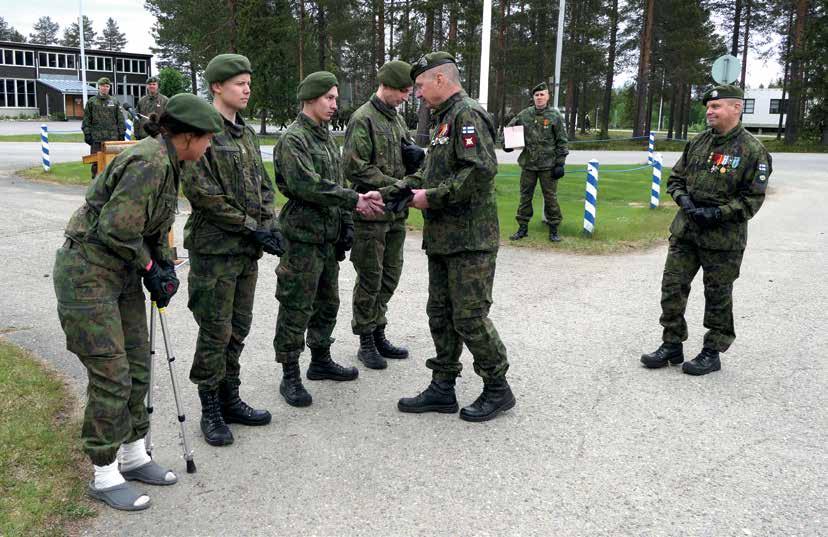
{"points": [[549, 188], [231, 196], [103, 119], [123, 223], [731, 172], [544, 136], [149, 104]]}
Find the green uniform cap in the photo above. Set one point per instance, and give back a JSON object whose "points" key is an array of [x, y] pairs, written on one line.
{"points": [[226, 66], [104, 80], [727, 91], [315, 85], [540, 87], [396, 74], [195, 112], [152, 79], [430, 61]]}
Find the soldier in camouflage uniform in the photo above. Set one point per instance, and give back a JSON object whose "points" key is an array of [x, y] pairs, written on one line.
{"points": [[455, 189], [719, 182], [103, 120], [151, 103], [373, 158], [319, 229], [232, 221], [116, 239], [542, 159]]}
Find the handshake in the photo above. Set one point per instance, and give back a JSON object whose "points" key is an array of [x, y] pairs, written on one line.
{"points": [[704, 217], [370, 204]]}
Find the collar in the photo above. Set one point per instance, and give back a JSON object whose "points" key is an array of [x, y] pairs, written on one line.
{"points": [[448, 103], [320, 131], [236, 129], [540, 110], [383, 108], [173, 156], [719, 139]]}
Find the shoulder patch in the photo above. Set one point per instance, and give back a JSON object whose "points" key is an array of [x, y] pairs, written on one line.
{"points": [[469, 136]]}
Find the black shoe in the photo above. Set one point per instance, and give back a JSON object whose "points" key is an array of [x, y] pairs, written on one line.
{"points": [[368, 354], [706, 362], [385, 348], [497, 397], [216, 432], [234, 410], [667, 352], [322, 367], [291, 386], [522, 231], [553, 234], [438, 397]]}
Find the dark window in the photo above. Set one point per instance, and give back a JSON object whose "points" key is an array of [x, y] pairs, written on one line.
{"points": [[18, 57], [30, 92], [108, 64], [775, 108], [8, 57], [61, 61], [70, 61], [44, 59], [749, 105], [10, 100], [53, 60], [29, 58], [119, 64], [135, 66]]}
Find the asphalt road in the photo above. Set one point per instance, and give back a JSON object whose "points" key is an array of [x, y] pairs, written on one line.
{"points": [[596, 445]]}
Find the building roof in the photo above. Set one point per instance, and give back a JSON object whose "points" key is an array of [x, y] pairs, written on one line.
{"points": [[68, 86], [76, 50]]}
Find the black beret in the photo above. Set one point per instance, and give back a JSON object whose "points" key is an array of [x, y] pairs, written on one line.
{"points": [[315, 85], [540, 87], [396, 74], [225, 66], [430, 61]]}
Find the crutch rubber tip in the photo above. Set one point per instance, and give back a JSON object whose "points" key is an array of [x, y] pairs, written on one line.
{"points": [[191, 467]]}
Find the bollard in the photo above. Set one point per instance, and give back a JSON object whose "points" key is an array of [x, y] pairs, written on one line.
{"points": [[651, 148], [591, 197], [655, 189], [44, 146], [128, 133]]}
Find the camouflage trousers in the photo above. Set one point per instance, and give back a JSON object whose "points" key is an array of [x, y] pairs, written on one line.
{"points": [[377, 256], [307, 289], [549, 188], [94, 148], [104, 317], [720, 270], [221, 290], [459, 298]]}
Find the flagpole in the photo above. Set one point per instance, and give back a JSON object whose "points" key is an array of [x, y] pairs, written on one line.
{"points": [[82, 55]]}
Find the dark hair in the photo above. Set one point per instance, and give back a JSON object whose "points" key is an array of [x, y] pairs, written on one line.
{"points": [[169, 125]]}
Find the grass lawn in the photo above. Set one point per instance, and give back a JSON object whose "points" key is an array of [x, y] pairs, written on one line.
{"points": [[42, 472], [53, 138], [66, 173]]}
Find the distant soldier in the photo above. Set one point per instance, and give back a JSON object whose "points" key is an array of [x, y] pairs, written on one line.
{"points": [[719, 182], [103, 120], [542, 159], [318, 225], [151, 103], [378, 152]]}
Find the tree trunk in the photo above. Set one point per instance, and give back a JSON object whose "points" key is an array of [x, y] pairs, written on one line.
{"points": [[671, 121], [321, 27], [643, 68], [747, 38], [500, 69], [301, 39], [737, 14], [680, 102], [193, 77], [784, 111], [610, 71], [688, 103], [263, 126], [380, 58], [583, 109], [452, 32], [423, 113], [231, 7], [650, 99], [795, 100]]}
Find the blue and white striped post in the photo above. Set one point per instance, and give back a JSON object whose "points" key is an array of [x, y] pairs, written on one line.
{"points": [[591, 197], [655, 189], [44, 147], [128, 132], [651, 148]]}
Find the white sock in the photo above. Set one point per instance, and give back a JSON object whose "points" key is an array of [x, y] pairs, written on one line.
{"points": [[133, 455], [107, 476]]}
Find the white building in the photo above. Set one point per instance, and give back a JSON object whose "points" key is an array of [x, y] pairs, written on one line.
{"points": [[762, 109]]}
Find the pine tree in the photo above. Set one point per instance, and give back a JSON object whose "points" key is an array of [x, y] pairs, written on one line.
{"points": [[9, 33], [45, 31], [111, 38], [71, 34]]}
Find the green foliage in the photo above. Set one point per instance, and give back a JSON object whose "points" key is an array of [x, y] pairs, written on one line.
{"points": [[111, 38], [172, 82], [71, 34], [9, 33], [45, 31]]}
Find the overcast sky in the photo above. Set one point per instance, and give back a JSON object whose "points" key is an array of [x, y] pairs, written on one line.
{"points": [[137, 23]]}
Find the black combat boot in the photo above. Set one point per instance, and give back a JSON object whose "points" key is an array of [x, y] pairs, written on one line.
{"points": [[385, 348], [497, 397], [234, 410], [522, 231], [667, 352], [291, 386], [368, 354], [553, 234], [216, 432], [322, 367], [438, 397], [706, 362]]}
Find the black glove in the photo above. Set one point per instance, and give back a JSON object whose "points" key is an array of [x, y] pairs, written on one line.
{"points": [[87, 139], [707, 217], [161, 283], [398, 201], [346, 240], [412, 156], [686, 203], [271, 242], [558, 171]]}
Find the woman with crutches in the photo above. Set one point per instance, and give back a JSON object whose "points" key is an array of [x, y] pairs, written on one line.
{"points": [[114, 241]]}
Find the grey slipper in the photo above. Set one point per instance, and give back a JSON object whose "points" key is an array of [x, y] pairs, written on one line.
{"points": [[149, 473], [121, 497]]}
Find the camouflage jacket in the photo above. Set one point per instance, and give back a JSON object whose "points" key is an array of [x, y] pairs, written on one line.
{"points": [[372, 157], [103, 119], [230, 193], [149, 104], [308, 173], [544, 136], [458, 175], [129, 208], [728, 171]]}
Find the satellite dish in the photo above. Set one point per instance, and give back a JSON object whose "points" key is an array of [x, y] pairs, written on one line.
{"points": [[726, 69]]}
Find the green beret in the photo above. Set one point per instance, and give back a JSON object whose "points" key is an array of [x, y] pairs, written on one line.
{"points": [[430, 61], [195, 112], [104, 80], [396, 74], [152, 79], [226, 66], [315, 85], [540, 87], [727, 91]]}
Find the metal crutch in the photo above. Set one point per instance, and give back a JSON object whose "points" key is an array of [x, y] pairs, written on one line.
{"points": [[148, 438], [188, 454]]}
